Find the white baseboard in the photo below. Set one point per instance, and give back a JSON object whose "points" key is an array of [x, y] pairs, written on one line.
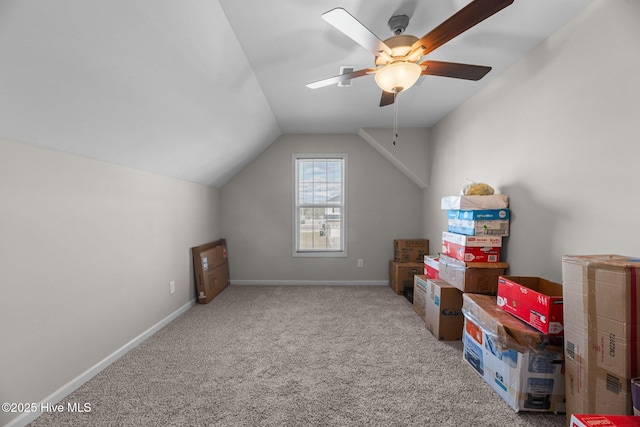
{"points": [[74, 384], [312, 282]]}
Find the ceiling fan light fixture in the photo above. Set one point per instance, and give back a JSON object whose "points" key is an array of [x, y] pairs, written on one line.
{"points": [[398, 76]]}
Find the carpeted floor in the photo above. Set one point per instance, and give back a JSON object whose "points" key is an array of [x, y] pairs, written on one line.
{"points": [[291, 356]]}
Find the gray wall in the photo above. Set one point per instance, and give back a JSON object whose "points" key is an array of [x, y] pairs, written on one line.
{"points": [[256, 214], [558, 133], [87, 251]]}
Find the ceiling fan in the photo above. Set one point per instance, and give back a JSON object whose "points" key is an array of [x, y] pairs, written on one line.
{"points": [[397, 59]]}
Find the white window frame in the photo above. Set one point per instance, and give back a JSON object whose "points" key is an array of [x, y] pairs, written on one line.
{"points": [[296, 252]]}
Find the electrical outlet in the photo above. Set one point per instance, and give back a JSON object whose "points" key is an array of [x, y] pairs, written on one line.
{"points": [[172, 287], [360, 263]]}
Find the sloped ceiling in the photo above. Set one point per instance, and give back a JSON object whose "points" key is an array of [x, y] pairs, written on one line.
{"points": [[196, 89]]}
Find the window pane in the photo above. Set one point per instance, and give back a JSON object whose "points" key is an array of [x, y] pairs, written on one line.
{"points": [[306, 193], [320, 229], [334, 193], [333, 222], [319, 171], [320, 193], [305, 171], [334, 171]]}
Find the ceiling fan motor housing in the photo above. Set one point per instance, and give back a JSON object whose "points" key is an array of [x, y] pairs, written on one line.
{"points": [[400, 46], [398, 24]]}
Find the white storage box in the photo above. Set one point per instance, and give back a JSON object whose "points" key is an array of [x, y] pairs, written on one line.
{"points": [[495, 201]]}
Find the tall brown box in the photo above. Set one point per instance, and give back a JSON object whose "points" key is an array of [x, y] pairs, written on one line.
{"points": [[401, 274], [601, 331], [443, 310], [410, 250], [211, 269]]}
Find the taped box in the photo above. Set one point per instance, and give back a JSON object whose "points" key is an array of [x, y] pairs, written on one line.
{"points": [[477, 277], [478, 228], [401, 275], [512, 357], [479, 215], [479, 222], [410, 250], [601, 332], [495, 201], [471, 248], [443, 310]]}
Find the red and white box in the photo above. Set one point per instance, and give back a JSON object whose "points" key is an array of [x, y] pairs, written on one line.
{"points": [[471, 248], [589, 420], [432, 266], [534, 300]]}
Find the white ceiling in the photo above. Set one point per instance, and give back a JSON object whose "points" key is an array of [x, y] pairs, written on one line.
{"points": [[196, 89]]}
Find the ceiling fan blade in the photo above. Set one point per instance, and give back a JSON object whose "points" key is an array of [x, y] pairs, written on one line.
{"points": [[470, 15], [340, 78], [345, 22], [455, 70], [388, 98]]}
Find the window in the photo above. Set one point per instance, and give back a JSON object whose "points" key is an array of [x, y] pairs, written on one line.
{"points": [[319, 205]]}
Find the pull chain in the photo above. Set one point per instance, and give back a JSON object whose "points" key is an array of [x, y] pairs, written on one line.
{"points": [[395, 117]]}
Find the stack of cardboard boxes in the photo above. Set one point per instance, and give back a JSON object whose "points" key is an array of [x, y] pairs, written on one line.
{"points": [[408, 255], [510, 348], [471, 246], [582, 345], [522, 362], [469, 261], [522, 333]]}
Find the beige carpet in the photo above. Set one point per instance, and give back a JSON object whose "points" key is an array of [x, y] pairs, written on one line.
{"points": [[294, 356]]}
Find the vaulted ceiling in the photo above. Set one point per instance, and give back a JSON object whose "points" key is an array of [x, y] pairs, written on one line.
{"points": [[196, 89]]}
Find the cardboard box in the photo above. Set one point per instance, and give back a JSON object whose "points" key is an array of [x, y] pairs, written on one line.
{"points": [[470, 253], [479, 222], [479, 215], [526, 379], [432, 266], [495, 201], [507, 330], [478, 227], [593, 420], [601, 331], [211, 269], [472, 241], [419, 294], [443, 310], [477, 277], [471, 248], [401, 274], [534, 300], [410, 250]]}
